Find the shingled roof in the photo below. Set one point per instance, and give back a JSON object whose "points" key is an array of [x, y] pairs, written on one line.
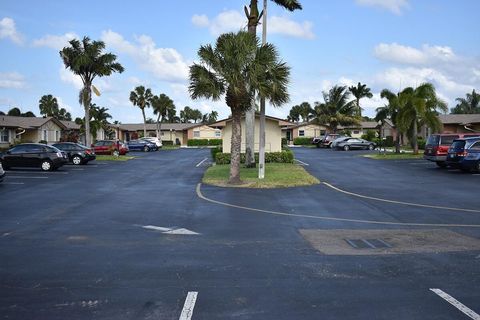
{"points": [[27, 122]]}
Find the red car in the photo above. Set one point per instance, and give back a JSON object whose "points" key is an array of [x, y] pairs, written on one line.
{"points": [[110, 147], [436, 148]]}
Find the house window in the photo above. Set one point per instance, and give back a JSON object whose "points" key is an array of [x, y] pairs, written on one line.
{"points": [[323, 132], [45, 135], [301, 133], [4, 135], [57, 135], [356, 131], [196, 134], [218, 133]]}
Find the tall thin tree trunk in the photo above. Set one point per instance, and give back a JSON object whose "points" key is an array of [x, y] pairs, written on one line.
{"points": [[144, 123], [158, 127], [235, 147], [261, 148], [414, 136], [87, 99]]}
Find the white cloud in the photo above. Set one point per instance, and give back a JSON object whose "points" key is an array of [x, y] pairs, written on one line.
{"points": [[55, 42], [12, 80], [164, 63], [69, 77], [233, 21], [394, 6], [8, 30], [62, 104], [397, 53], [200, 20]]}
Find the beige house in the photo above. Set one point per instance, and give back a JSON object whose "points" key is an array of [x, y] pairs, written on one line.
{"points": [[273, 134], [203, 131], [29, 129], [304, 129], [460, 123]]}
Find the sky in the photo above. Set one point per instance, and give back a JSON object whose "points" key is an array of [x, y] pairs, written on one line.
{"points": [[388, 44]]}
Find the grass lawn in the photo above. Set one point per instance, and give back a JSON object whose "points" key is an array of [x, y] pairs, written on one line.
{"points": [[169, 148], [394, 156], [113, 158], [277, 175]]}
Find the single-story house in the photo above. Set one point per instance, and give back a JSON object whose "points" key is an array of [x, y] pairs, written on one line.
{"points": [[273, 133], [29, 129], [303, 129], [458, 123], [358, 131]]}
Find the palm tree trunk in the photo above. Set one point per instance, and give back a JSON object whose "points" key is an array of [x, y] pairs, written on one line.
{"points": [[144, 123], [158, 128], [235, 147], [414, 137], [261, 147], [87, 98]]}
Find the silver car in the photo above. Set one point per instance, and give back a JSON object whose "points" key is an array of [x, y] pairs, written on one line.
{"points": [[155, 140], [337, 141]]}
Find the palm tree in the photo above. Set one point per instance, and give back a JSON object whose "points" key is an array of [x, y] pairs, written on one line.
{"points": [[161, 105], [48, 106], [16, 112], [468, 105], [253, 16], [420, 107], [86, 59], [336, 110], [235, 67], [390, 111], [359, 92], [142, 98]]}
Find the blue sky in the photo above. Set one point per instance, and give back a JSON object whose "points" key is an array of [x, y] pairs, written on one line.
{"points": [[383, 43]]}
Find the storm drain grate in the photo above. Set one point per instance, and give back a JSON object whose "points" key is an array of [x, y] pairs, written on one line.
{"points": [[368, 243]]}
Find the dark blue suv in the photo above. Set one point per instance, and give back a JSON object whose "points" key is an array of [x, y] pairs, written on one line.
{"points": [[464, 154]]}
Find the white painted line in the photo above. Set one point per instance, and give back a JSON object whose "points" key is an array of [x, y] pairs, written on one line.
{"points": [[39, 172], [181, 231], [77, 169], [457, 304], [200, 163], [25, 177], [305, 164], [156, 228], [16, 183], [188, 306]]}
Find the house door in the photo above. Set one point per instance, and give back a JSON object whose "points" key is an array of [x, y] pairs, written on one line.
{"points": [[289, 135]]}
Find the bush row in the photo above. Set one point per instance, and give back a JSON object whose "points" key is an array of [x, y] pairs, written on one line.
{"points": [[302, 141], [285, 156], [204, 142]]}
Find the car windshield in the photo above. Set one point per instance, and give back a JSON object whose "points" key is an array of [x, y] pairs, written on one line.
{"points": [[433, 140], [447, 140], [458, 145]]}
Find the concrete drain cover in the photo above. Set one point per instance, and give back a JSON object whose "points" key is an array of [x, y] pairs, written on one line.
{"points": [[368, 243], [388, 241]]}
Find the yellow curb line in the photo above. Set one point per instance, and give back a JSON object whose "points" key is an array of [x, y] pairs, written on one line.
{"points": [[201, 196], [399, 202]]}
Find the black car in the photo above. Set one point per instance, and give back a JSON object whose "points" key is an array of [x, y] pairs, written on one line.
{"points": [[458, 152], [355, 143], [77, 153], [33, 155]]}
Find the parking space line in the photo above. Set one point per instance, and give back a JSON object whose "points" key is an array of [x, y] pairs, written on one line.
{"points": [[15, 183], [200, 163], [38, 172], [305, 164], [187, 310], [25, 177], [457, 304]]}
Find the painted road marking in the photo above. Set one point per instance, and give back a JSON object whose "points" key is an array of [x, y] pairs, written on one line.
{"points": [[39, 172], [399, 202], [279, 213], [181, 231], [188, 306], [200, 163], [77, 169], [25, 177], [457, 304], [305, 164], [16, 183]]}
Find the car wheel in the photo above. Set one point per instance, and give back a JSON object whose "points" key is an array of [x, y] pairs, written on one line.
{"points": [[46, 165], [371, 147], [146, 149], [441, 164], [115, 153], [346, 148], [77, 160]]}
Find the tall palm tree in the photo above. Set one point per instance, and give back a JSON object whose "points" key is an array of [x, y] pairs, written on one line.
{"points": [[337, 109], [468, 105], [236, 67], [86, 59], [359, 92], [420, 107], [253, 16], [161, 105], [390, 111], [142, 98], [48, 105]]}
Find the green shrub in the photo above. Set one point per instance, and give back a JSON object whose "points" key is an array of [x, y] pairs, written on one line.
{"points": [[285, 156], [284, 141], [369, 135], [204, 142], [42, 141], [421, 143], [389, 141], [214, 151], [215, 142], [302, 141], [167, 142]]}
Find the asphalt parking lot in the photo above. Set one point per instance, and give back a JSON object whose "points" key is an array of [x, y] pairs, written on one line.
{"points": [[143, 240]]}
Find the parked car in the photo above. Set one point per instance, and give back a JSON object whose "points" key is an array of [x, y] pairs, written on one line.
{"points": [[141, 145], [459, 150], [327, 140], [34, 155], [76, 153], [110, 147], [355, 143], [155, 140], [316, 140], [336, 141], [2, 173], [471, 161], [436, 147]]}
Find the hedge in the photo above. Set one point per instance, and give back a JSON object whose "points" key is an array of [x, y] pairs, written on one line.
{"points": [[285, 156], [215, 150], [204, 142], [167, 143], [302, 141]]}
